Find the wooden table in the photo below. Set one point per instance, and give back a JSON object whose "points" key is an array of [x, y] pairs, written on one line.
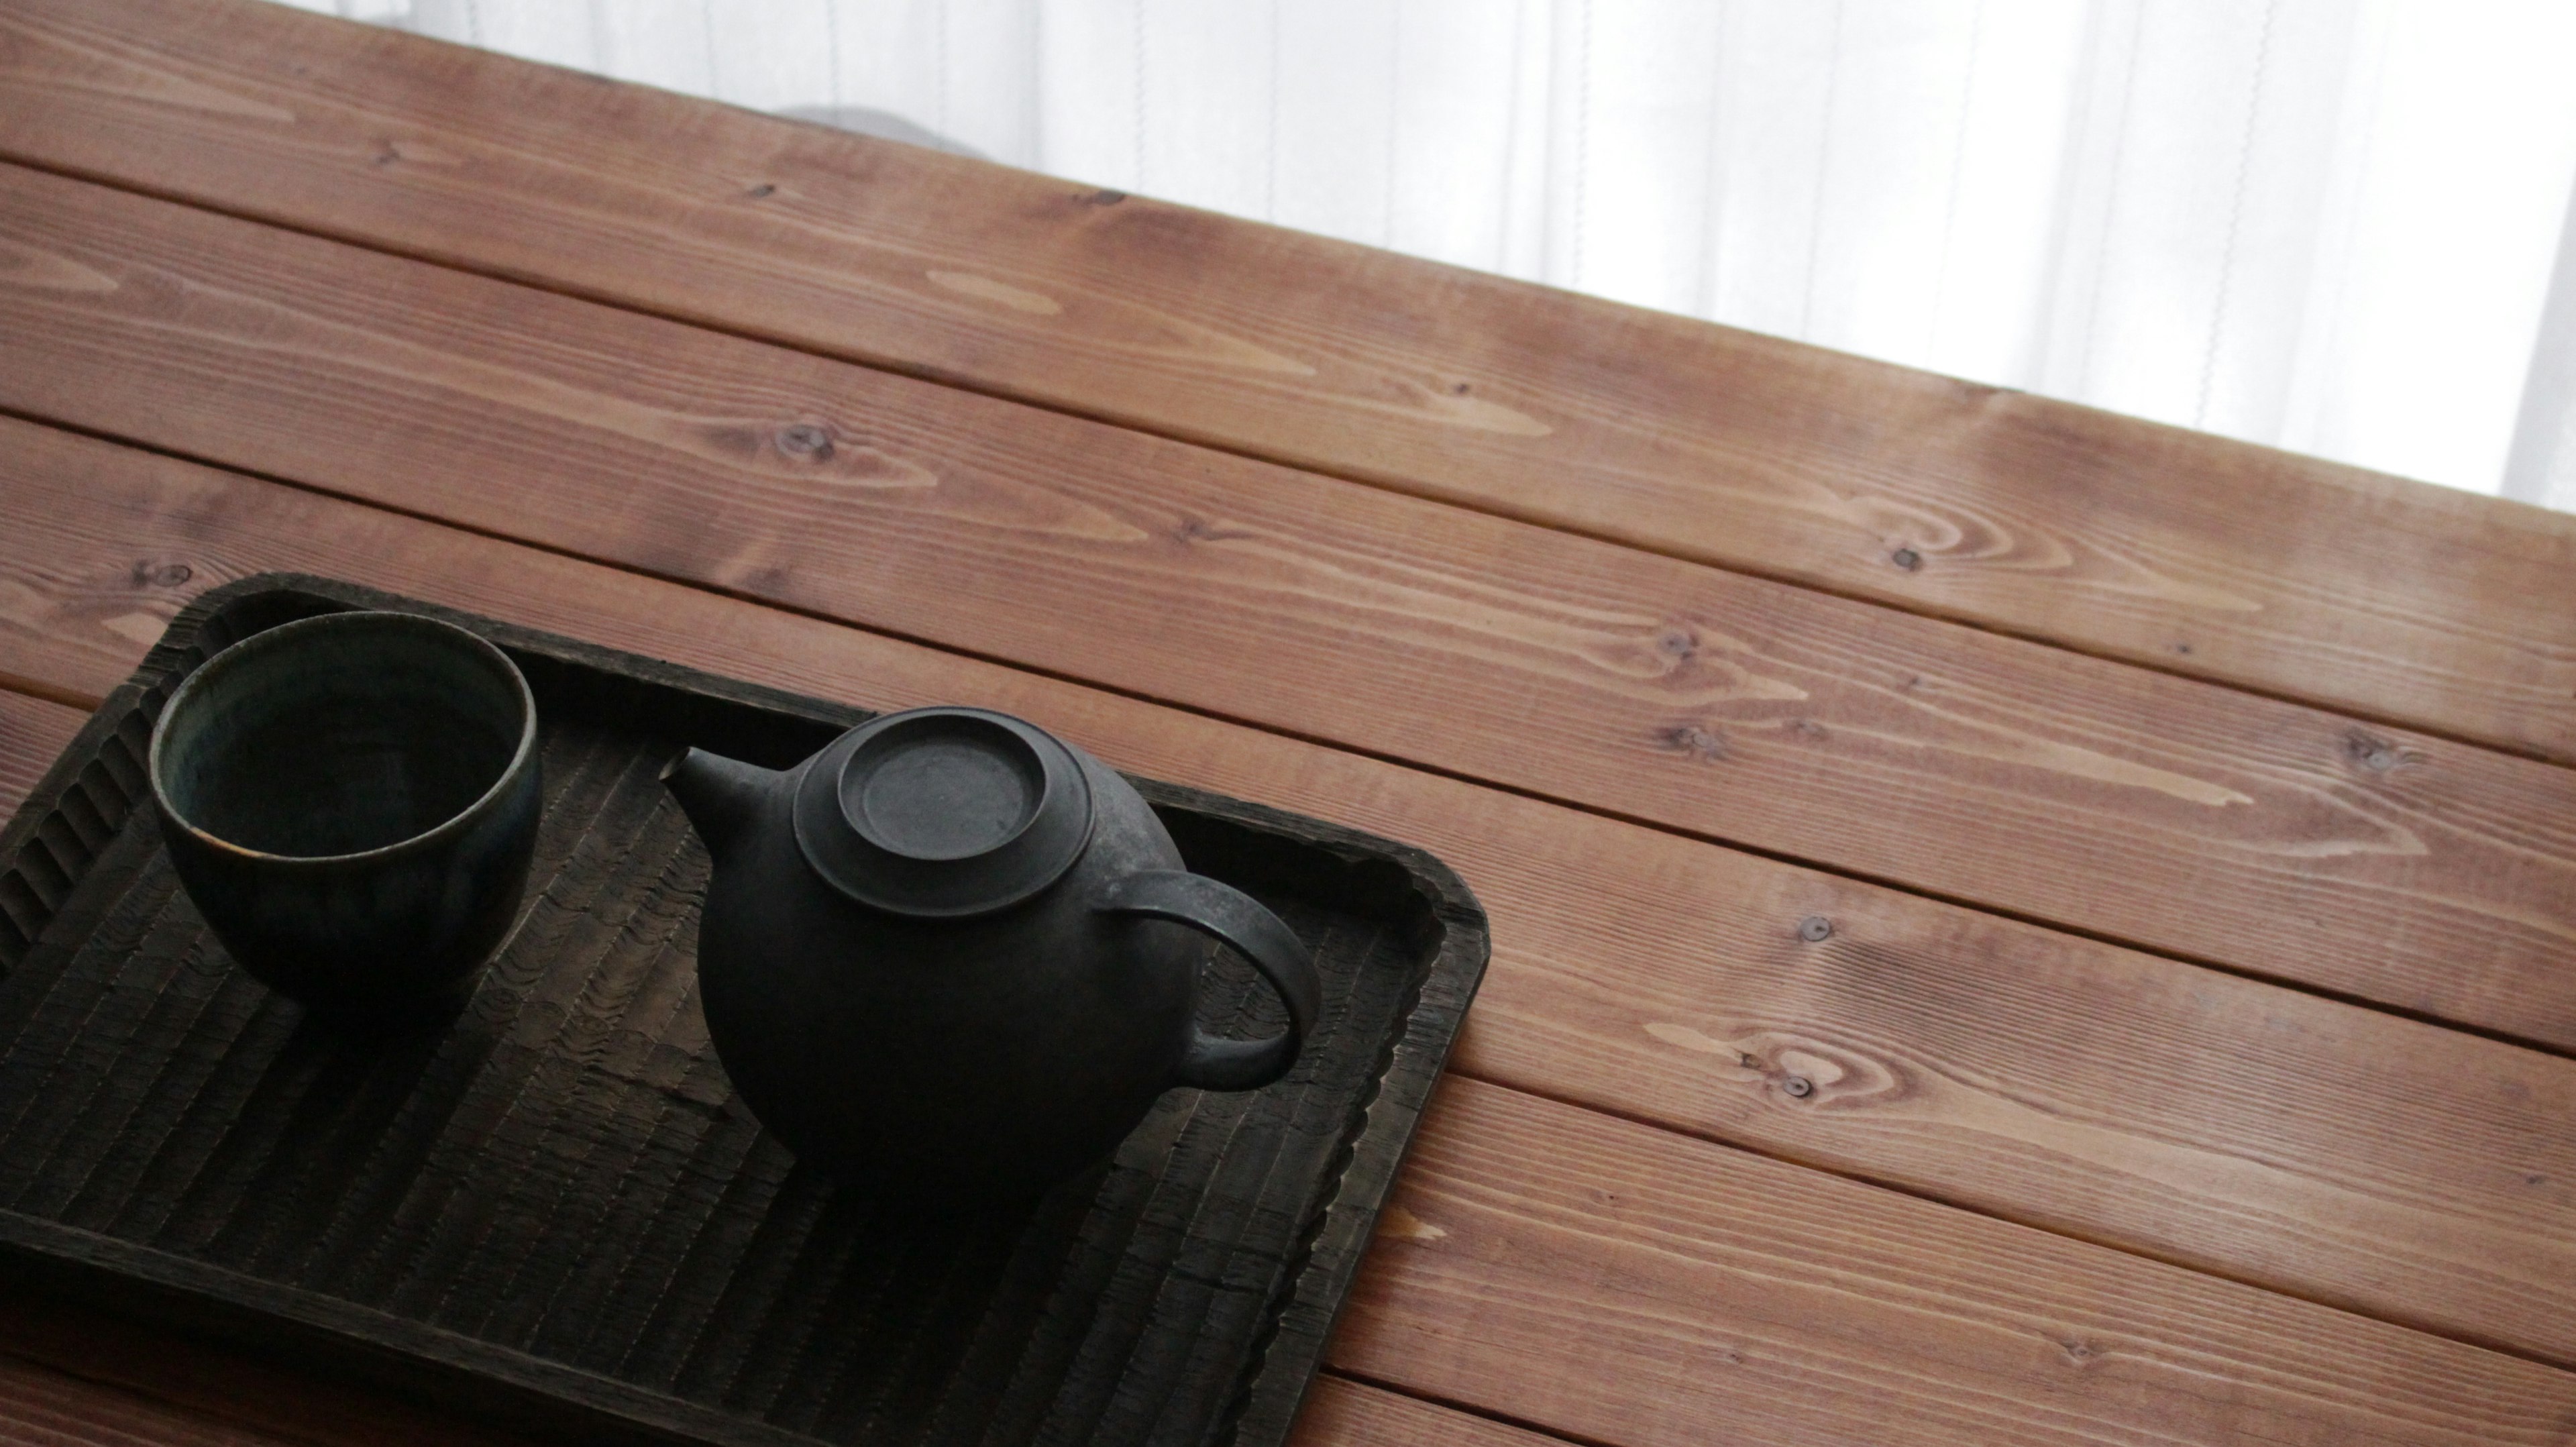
{"points": [[2013, 925]]}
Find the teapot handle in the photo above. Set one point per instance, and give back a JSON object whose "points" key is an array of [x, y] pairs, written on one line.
{"points": [[1213, 1062]]}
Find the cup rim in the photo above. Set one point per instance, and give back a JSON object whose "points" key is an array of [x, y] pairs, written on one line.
{"points": [[269, 639]]}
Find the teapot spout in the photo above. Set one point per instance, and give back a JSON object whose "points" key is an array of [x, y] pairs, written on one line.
{"points": [[721, 796]]}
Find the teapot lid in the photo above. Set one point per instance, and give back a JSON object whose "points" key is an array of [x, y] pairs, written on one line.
{"points": [[943, 812]]}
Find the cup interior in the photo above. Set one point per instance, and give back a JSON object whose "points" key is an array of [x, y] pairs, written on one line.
{"points": [[340, 734]]}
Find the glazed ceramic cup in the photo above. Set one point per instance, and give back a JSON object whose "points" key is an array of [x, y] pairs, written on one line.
{"points": [[351, 801]]}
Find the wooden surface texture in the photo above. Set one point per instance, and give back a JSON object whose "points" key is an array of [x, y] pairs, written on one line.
{"points": [[2369, 594], [1636, 1289], [73, 1374], [2340, 1154], [70, 1379], [2094, 1115], [2436, 877]]}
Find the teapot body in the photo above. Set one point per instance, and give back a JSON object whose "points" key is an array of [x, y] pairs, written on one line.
{"points": [[954, 959], [969, 1059]]}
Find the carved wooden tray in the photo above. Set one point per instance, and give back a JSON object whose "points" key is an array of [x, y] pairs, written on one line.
{"points": [[553, 1210]]}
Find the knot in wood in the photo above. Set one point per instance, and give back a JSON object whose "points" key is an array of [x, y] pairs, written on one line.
{"points": [[1200, 530], [1698, 742], [804, 439], [2374, 753]]}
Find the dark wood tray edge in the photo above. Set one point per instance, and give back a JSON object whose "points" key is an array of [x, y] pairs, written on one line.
{"points": [[356, 1343], [90, 791]]}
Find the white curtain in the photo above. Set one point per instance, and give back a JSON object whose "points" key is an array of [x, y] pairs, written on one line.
{"points": [[2337, 226]]}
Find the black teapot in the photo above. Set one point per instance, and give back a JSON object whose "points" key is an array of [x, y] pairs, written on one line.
{"points": [[952, 958]]}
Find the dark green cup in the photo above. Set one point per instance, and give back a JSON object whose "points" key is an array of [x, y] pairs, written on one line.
{"points": [[351, 801]]}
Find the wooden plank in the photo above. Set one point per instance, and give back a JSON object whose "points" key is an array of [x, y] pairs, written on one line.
{"points": [[1344, 1413], [2433, 876], [1607, 1281], [73, 1374], [2329, 1151], [32, 732], [133, 1387], [44, 1408], [2191, 553]]}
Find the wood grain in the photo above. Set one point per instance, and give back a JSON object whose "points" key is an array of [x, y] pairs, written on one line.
{"points": [[2433, 876], [2192, 553], [2328, 1151], [32, 731], [1344, 1413], [40, 1407], [72, 1373], [74, 1377], [1604, 1280]]}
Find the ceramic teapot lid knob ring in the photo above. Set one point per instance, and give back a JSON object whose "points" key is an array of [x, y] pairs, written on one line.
{"points": [[1213, 1062]]}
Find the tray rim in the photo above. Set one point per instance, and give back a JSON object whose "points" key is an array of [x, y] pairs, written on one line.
{"points": [[411, 1358]]}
